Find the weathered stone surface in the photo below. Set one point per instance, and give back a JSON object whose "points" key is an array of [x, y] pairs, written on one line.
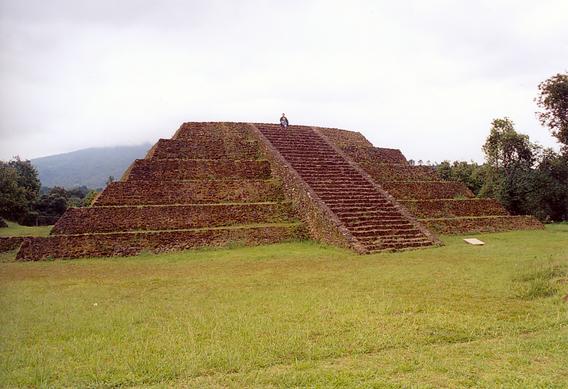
{"points": [[427, 190], [197, 169], [342, 197], [190, 192], [344, 138], [482, 224], [212, 149], [125, 243], [210, 176], [440, 208], [169, 217], [10, 243], [385, 172], [425, 194], [213, 183]]}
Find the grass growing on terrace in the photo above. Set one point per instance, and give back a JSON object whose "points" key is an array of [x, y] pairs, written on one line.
{"points": [[294, 314]]}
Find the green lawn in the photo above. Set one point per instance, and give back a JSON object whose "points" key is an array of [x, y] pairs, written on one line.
{"points": [[15, 229], [294, 315]]}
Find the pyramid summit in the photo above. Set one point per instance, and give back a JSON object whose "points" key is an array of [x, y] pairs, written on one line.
{"points": [[225, 183]]}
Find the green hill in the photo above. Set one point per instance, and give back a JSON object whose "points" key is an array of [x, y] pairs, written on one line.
{"points": [[89, 167]]}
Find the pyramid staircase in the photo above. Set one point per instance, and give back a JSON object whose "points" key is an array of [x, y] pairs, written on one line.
{"points": [[207, 186], [442, 206], [370, 219]]}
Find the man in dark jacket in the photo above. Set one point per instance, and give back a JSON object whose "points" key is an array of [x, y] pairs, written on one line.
{"points": [[284, 122]]}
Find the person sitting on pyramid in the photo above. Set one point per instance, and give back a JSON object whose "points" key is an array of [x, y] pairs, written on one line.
{"points": [[284, 122]]}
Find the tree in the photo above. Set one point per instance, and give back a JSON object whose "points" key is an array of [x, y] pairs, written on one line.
{"points": [[510, 157], [551, 197], [13, 202], [19, 189], [470, 174], [505, 147], [52, 205], [27, 178], [553, 100]]}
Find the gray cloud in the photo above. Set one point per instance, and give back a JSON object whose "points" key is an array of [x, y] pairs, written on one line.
{"points": [[427, 77]]}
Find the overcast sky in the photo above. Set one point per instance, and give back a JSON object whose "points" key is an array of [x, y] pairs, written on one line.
{"points": [[423, 76]]}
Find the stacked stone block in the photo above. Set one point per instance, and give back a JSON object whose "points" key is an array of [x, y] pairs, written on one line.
{"points": [[442, 206], [207, 186], [367, 217]]}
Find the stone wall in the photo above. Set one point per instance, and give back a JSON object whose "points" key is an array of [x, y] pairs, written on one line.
{"points": [[454, 208], [123, 244], [212, 149], [108, 219], [423, 190], [190, 192], [179, 169], [10, 243], [482, 224], [383, 172]]}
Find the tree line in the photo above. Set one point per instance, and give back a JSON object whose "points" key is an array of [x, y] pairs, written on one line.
{"points": [[24, 200], [527, 178]]}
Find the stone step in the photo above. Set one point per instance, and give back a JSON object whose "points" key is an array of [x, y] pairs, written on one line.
{"points": [[425, 190], [383, 214], [359, 205], [396, 245], [373, 234], [203, 131], [132, 243], [169, 217], [189, 192], [383, 172], [448, 208], [205, 149], [368, 222], [331, 183], [462, 225], [177, 169], [343, 194], [374, 155]]}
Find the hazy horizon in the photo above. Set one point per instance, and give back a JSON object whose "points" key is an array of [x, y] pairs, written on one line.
{"points": [[427, 78]]}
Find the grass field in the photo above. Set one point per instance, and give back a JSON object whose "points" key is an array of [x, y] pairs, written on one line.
{"points": [[15, 229], [294, 315]]}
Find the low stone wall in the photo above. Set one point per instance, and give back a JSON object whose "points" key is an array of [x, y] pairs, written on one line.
{"points": [[176, 169], [190, 192], [454, 208], [216, 149], [111, 219], [374, 155], [124, 244], [344, 138], [383, 172], [200, 131], [423, 190], [482, 224], [10, 243]]}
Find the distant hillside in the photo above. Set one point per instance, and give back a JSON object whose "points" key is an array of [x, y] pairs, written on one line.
{"points": [[88, 167]]}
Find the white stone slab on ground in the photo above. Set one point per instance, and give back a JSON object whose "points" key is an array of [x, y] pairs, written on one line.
{"points": [[474, 241]]}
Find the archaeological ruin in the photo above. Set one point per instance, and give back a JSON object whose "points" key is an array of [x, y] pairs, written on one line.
{"points": [[220, 184]]}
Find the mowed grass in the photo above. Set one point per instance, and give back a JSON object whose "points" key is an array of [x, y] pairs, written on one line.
{"points": [[294, 315], [14, 229]]}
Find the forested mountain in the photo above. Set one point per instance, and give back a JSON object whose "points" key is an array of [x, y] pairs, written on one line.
{"points": [[88, 167]]}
